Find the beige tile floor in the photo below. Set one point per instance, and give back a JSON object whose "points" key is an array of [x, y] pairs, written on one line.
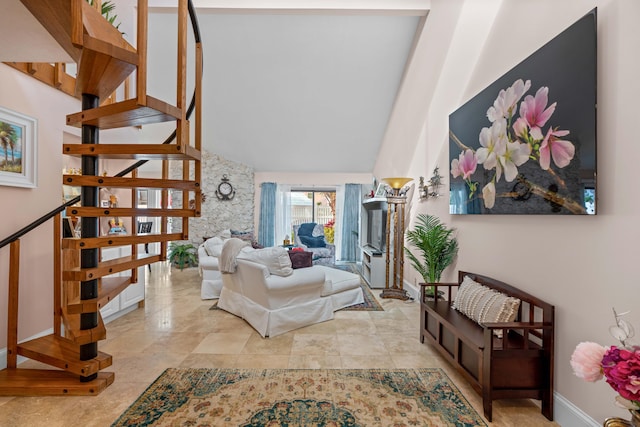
{"points": [[175, 328]]}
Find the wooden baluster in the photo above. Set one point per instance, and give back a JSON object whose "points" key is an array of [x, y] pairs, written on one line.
{"points": [[57, 274], [12, 321]]}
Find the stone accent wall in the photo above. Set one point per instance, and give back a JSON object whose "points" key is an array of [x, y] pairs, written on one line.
{"points": [[218, 215]]}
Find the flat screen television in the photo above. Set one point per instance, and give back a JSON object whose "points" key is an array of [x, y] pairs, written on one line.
{"points": [[527, 143], [376, 232]]}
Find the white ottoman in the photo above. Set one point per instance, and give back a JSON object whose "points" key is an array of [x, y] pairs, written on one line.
{"points": [[341, 286]]}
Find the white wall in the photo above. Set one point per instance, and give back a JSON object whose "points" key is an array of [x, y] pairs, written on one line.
{"points": [[583, 265]]}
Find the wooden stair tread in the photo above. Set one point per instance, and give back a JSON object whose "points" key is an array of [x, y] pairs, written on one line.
{"points": [[121, 182], [112, 266], [82, 211], [105, 59], [108, 289], [126, 113], [49, 382], [82, 336], [63, 354], [133, 151], [103, 67], [112, 241]]}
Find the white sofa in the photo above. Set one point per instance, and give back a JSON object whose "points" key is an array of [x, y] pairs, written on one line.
{"points": [[208, 264], [274, 299], [210, 273]]}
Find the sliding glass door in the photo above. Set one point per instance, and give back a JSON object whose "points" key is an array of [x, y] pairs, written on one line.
{"points": [[314, 206]]}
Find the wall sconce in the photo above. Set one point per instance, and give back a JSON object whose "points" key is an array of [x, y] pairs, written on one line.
{"points": [[432, 187]]}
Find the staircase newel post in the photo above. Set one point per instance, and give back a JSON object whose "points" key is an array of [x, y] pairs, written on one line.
{"points": [[89, 258]]}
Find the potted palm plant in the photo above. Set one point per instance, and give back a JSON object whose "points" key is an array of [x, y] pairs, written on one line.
{"points": [[183, 255], [437, 246]]}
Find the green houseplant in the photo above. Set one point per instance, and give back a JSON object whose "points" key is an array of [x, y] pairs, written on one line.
{"points": [[436, 244], [183, 255]]}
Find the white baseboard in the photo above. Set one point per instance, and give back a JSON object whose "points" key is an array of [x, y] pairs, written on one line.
{"points": [[569, 415], [411, 290], [3, 352], [3, 358]]}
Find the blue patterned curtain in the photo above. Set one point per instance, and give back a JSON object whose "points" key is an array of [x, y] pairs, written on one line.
{"points": [[267, 223], [350, 223]]}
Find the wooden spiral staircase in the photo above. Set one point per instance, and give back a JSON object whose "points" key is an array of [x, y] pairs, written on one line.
{"points": [[104, 60]]}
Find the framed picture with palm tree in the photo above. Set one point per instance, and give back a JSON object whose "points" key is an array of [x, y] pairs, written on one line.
{"points": [[18, 149]]}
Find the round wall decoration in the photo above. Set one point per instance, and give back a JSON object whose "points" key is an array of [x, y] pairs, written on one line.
{"points": [[225, 190]]}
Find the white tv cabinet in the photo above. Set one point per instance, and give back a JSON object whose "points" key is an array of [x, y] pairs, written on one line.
{"points": [[374, 267], [374, 261]]}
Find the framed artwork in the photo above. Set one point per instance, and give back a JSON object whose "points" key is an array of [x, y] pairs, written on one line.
{"points": [[18, 149], [381, 191], [527, 143]]}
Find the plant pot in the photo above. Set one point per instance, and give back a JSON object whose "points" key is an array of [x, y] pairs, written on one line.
{"points": [[429, 294], [182, 255]]}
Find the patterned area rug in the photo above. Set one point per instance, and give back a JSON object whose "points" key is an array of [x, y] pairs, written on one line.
{"points": [[370, 302], [301, 397]]}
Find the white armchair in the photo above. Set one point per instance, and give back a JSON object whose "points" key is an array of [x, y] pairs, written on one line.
{"points": [[275, 300]]}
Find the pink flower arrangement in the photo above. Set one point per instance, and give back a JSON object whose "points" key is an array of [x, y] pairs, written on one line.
{"points": [[622, 370], [586, 361], [620, 366]]}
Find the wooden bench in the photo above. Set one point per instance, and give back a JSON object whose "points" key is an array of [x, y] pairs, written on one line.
{"points": [[518, 365]]}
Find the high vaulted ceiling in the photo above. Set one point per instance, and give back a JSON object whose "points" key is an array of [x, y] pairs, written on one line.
{"points": [[295, 90]]}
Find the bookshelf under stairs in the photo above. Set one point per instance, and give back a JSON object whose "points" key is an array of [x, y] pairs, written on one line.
{"points": [[81, 286]]}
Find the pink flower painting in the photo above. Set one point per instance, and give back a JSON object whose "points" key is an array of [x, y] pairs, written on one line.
{"points": [[521, 131]]}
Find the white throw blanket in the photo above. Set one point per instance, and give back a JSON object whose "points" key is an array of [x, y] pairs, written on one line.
{"points": [[230, 251]]}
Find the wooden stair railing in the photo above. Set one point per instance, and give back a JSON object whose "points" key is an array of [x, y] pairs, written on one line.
{"points": [[81, 287]]}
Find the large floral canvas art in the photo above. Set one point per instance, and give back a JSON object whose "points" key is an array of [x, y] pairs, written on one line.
{"points": [[527, 143]]}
